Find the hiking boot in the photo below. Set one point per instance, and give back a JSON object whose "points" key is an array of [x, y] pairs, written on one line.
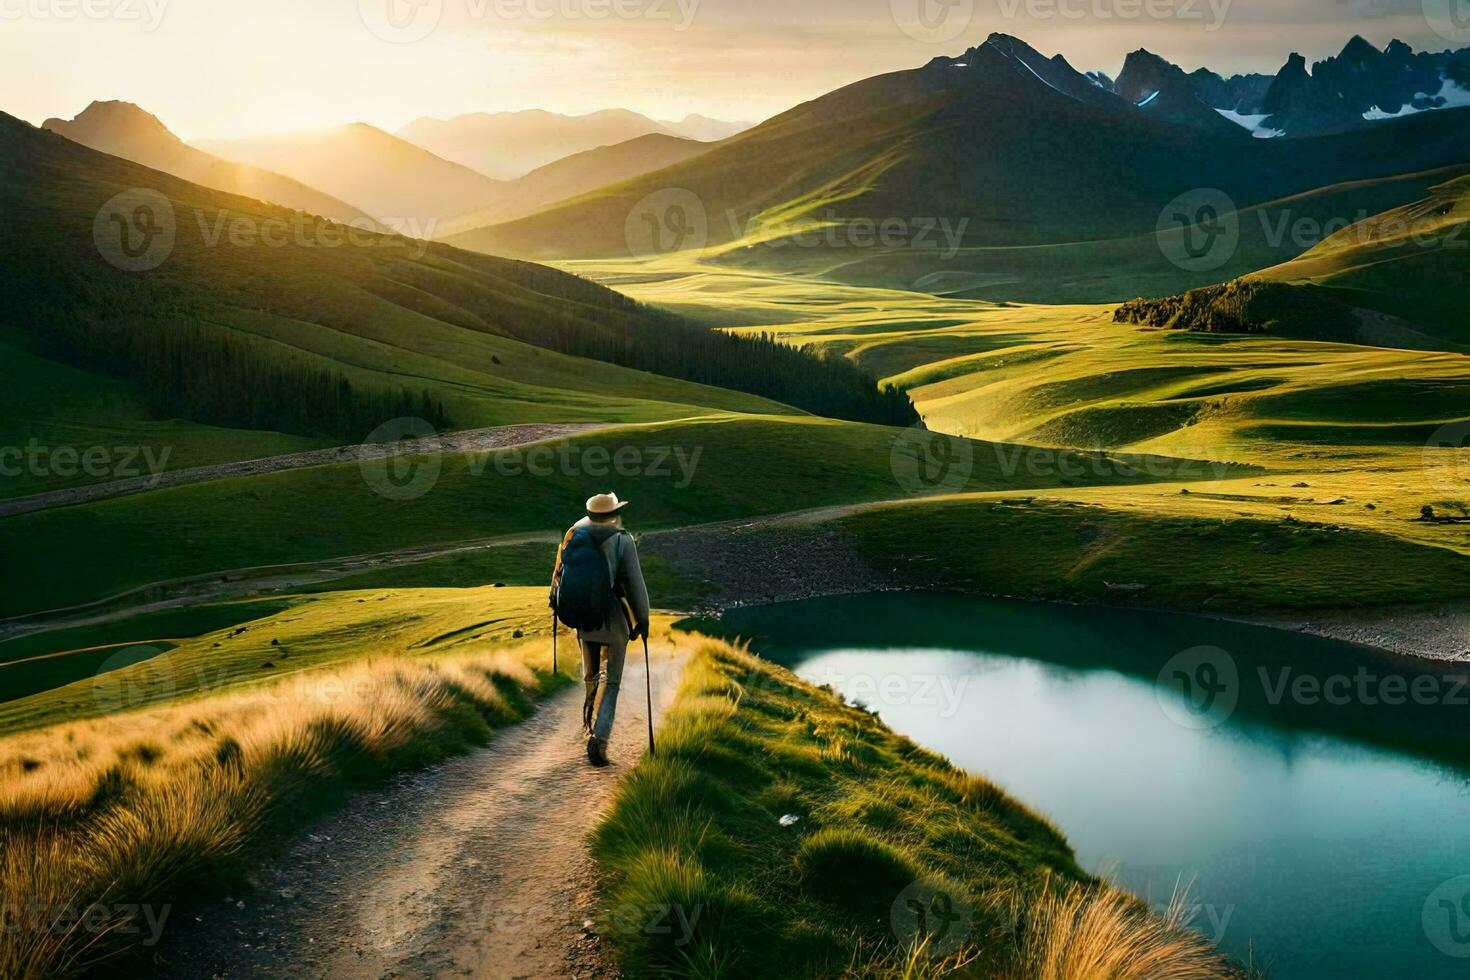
{"points": [[596, 751]]}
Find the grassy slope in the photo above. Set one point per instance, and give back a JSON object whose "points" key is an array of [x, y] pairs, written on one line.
{"points": [[312, 633], [171, 804], [900, 146], [382, 310], [56, 406], [1102, 271], [1410, 261], [1348, 430], [881, 824], [191, 530], [1096, 548]]}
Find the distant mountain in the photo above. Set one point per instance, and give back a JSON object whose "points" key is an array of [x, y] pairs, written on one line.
{"points": [[1363, 85], [577, 174], [124, 130], [1360, 86], [1164, 90], [1007, 146], [403, 185], [507, 145], [704, 129]]}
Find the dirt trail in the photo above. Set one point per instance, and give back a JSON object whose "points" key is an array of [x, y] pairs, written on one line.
{"points": [[475, 868], [466, 441]]}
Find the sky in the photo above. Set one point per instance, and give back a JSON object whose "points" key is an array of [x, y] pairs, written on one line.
{"points": [[228, 67]]}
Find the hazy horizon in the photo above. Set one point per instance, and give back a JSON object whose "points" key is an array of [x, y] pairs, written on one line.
{"points": [[208, 69]]}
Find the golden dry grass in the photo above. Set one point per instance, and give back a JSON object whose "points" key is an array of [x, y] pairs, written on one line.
{"points": [[106, 823]]}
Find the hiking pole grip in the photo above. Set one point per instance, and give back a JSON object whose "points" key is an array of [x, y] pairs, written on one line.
{"points": [[648, 683]]}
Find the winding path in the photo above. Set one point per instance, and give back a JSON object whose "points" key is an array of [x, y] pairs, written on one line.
{"points": [[466, 441], [478, 867]]}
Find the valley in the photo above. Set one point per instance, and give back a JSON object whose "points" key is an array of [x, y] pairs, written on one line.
{"points": [[988, 369]]}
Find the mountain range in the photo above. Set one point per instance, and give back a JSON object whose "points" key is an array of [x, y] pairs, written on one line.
{"points": [[403, 185], [1354, 89], [390, 182], [507, 145], [122, 129], [1010, 146]]}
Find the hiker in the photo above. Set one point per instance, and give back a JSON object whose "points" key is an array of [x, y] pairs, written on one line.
{"points": [[597, 588]]}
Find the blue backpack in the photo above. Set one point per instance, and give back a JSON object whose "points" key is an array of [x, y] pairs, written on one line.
{"points": [[585, 591]]}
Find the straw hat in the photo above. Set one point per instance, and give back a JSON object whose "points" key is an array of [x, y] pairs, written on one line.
{"points": [[603, 504]]}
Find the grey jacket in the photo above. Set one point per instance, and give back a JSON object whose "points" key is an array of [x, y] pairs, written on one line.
{"points": [[631, 599]]}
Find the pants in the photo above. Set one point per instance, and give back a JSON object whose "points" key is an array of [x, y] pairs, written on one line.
{"points": [[602, 673]]}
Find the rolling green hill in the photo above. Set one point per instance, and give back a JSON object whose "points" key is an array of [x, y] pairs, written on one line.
{"points": [[983, 143], [575, 175], [260, 318], [1411, 262], [1410, 265]]}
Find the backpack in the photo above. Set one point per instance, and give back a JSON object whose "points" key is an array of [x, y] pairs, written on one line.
{"points": [[585, 590]]}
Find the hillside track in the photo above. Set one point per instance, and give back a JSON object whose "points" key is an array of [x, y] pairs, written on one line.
{"points": [[478, 867]]}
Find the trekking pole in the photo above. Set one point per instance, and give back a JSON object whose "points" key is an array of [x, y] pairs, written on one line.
{"points": [[554, 670], [648, 682]]}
